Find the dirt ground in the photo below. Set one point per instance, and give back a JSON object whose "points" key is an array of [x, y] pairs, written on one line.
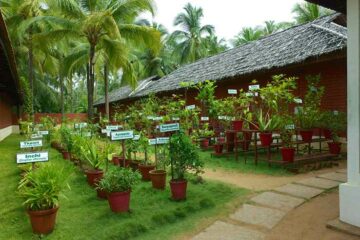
{"points": [[308, 222], [258, 182]]}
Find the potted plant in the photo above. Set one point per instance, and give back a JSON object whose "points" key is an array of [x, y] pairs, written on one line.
{"points": [[41, 189], [117, 182], [146, 166], [204, 134], [266, 125], [183, 158], [287, 150], [336, 125], [158, 175], [95, 158], [68, 142]]}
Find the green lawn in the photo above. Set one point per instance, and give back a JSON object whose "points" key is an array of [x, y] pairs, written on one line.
{"points": [[83, 216], [230, 164]]}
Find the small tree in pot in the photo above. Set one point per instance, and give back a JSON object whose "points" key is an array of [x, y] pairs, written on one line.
{"points": [[42, 189], [147, 165], [95, 158], [183, 158], [286, 135], [266, 125], [117, 182], [336, 125], [158, 175], [67, 140]]}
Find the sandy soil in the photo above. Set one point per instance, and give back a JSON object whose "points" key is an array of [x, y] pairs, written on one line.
{"points": [[308, 222], [258, 182]]}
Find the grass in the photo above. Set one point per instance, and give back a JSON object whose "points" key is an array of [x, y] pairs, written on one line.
{"points": [[230, 164], [82, 216]]}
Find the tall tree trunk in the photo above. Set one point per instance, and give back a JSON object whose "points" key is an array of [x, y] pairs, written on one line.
{"points": [[31, 71], [62, 98], [90, 84], [106, 81]]}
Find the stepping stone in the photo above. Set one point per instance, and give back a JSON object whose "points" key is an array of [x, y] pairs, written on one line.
{"points": [[299, 191], [261, 216], [342, 171], [319, 183], [340, 177], [276, 200], [226, 231]]}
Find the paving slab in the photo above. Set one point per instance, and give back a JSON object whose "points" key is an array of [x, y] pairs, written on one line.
{"points": [[319, 183], [342, 170], [261, 216], [299, 191], [340, 177], [227, 231], [338, 225], [276, 200]]}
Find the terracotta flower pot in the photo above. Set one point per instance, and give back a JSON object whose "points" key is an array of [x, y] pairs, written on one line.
{"points": [[237, 125], [158, 179], [134, 165], [221, 140], [266, 139], [306, 135], [178, 189], [116, 160], [334, 147], [94, 176], [66, 155], [218, 148], [205, 143], [327, 133], [119, 201], [101, 194], [288, 154], [145, 171], [43, 221]]}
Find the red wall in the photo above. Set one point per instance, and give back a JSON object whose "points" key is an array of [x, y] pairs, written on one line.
{"points": [[82, 117], [8, 112]]}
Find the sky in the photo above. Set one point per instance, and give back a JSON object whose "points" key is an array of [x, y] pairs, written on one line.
{"points": [[228, 16]]}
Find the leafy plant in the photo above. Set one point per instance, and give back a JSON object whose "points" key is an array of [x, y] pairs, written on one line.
{"points": [[184, 156], [67, 138], [26, 128], [43, 187], [206, 96], [119, 180], [336, 122], [267, 122], [93, 154]]}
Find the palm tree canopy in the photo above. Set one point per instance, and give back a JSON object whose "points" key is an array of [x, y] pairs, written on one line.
{"points": [[307, 12]]}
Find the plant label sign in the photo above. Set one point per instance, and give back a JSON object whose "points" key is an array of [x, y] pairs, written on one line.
{"points": [[176, 119], [190, 107], [254, 87], [298, 100], [136, 138], [31, 144], [169, 127], [104, 131], [232, 91], [36, 136], [204, 119], [112, 127], [122, 135], [86, 134], [32, 157], [152, 141], [336, 113], [290, 127], [163, 140], [80, 125], [158, 118], [43, 133]]}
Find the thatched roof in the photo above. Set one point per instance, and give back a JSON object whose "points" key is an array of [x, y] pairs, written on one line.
{"points": [[291, 46]]}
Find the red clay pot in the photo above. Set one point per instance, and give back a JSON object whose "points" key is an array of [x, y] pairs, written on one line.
{"points": [[116, 160], [158, 179], [306, 135], [237, 125], [178, 189], [288, 154], [334, 147], [134, 165], [66, 155], [327, 133], [101, 194], [94, 176], [145, 171], [218, 148], [119, 201], [43, 221], [266, 139], [221, 140], [205, 143]]}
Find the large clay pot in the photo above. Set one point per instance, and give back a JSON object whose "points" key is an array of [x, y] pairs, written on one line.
{"points": [[94, 176], [237, 125], [116, 160], [205, 143], [43, 221], [288, 154], [66, 155], [334, 147], [306, 135], [119, 201], [158, 179], [145, 171], [266, 139], [218, 148], [178, 189], [327, 133]]}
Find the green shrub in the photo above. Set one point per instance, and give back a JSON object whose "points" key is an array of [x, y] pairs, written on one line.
{"points": [[119, 180]]}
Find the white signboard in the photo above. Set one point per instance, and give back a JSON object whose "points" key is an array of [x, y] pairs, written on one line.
{"points": [[80, 125], [232, 91], [32, 157], [36, 136], [254, 87], [113, 127], [204, 118], [122, 135], [298, 100], [336, 113], [163, 140], [136, 138], [290, 127], [251, 94], [31, 144], [150, 117], [104, 131], [86, 134], [190, 107], [170, 127], [152, 141], [43, 133], [176, 119], [158, 118]]}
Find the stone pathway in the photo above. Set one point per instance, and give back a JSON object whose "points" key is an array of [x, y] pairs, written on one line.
{"points": [[266, 210]]}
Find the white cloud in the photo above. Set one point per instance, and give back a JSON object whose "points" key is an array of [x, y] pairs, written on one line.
{"points": [[228, 16]]}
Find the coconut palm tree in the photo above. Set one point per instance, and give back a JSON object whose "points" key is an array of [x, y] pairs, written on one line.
{"points": [[307, 12], [246, 35], [213, 45], [190, 40]]}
